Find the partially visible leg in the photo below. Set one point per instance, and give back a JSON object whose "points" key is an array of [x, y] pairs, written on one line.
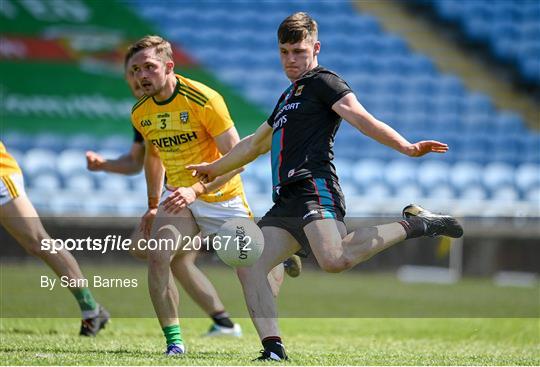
{"points": [[134, 250], [21, 220], [275, 278], [195, 282], [261, 304], [161, 285], [202, 291], [293, 266]]}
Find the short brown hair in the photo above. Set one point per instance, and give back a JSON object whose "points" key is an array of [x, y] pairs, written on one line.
{"points": [[296, 28], [163, 48]]}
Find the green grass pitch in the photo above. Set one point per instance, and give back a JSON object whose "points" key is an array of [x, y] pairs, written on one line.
{"points": [[346, 339]]}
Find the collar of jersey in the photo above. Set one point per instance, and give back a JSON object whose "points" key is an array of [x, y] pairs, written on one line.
{"points": [[309, 73], [170, 99]]}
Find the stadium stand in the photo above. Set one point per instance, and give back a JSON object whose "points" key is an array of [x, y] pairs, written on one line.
{"points": [[509, 29], [493, 155]]}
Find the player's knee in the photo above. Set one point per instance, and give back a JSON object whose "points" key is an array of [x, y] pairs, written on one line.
{"points": [[34, 250], [157, 262]]}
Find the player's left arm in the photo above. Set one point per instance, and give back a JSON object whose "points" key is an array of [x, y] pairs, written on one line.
{"points": [[351, 110]]}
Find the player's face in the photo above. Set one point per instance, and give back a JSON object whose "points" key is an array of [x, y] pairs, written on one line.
{"points": [[298, 58], [150, 71], [134, 86]]}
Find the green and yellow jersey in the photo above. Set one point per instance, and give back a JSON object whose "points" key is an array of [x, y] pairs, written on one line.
{"points": [[8, 164], [183, 128]]}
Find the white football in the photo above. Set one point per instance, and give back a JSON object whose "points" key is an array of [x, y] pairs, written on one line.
{"points": [[239, 242]]}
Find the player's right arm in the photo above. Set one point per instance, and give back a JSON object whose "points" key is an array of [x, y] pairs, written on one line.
{"points": [[155, 174], [247, 150], [127, 164]]}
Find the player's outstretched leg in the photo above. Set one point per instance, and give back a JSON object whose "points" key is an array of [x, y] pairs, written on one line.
{"points": [[336, 252]]}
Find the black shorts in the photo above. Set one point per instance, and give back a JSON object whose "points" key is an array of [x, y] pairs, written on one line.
{"points": [[300, 203]]}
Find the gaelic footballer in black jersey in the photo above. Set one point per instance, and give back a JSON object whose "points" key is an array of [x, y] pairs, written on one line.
{"points": [[304, 181]]}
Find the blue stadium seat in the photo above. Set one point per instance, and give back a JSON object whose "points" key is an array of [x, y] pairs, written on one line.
{"points": [[400, 172], [82, 141], [533, 194], [465, 174], [137, 183], [411, 192], [433, 173], [368, 171], [16, 140], [441, 192], [349, 189], [80, 183], [505, 193], [39, 160], [497, 174], [16, 154], [251, 187], [344, 167], [478, 103], [507, 122], [527, 176], [451, 85], [114, 183], [49, 141], [378, 190], [505, 27], [45, 182], [71, 161], [473, 193]]}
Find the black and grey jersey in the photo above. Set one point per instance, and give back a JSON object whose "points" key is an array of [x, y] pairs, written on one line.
{"points": [[304, 127]]}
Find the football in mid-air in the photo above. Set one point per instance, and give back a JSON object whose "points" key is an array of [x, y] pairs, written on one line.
{"points": [[239, 242]]}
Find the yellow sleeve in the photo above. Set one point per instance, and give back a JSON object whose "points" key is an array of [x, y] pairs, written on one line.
{"points": [[216, 118]]}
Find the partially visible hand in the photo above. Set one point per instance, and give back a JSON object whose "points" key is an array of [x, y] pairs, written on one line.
{"points": [[203, 171], [147, 221], [179, 199], [426, 146], [94, 161]]}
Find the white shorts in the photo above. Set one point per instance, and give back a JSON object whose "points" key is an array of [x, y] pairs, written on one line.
{"points": [[11, 187], [210, 216]]}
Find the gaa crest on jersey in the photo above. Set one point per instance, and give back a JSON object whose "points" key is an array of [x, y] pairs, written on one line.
{"points": [[299, 90], [184, 116]]}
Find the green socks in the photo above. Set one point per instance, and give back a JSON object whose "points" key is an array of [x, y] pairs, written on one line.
{"points": [[86, 301], [173, 334]]}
